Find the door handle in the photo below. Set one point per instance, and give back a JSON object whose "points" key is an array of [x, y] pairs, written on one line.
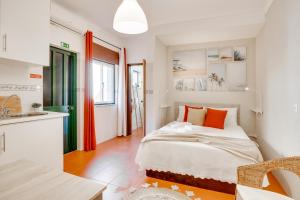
{"points": [[4, 42], [70, 108], [4, 142]]}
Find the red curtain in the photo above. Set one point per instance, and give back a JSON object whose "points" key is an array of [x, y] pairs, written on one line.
{"points": [[89, 119]]}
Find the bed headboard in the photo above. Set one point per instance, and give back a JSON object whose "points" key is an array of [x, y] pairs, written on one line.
{"points": [[177, 104]]}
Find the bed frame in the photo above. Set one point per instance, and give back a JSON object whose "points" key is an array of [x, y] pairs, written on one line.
{"points": [[209, 184], [190, 180]]}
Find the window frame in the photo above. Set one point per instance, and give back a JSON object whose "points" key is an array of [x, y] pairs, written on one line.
{"points": [[114, 86]]}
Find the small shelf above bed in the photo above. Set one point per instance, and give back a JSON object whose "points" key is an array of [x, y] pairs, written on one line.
{"points": [[164, 106], [257, 110]]}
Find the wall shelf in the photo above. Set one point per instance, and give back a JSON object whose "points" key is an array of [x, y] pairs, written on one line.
{"points": [[164, 106], [257, 110]]}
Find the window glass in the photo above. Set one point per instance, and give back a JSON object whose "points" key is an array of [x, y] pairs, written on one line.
{"points": [[103, 82]]}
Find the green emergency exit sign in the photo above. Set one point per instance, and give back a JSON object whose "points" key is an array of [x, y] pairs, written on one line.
{"points": [[65, 45]]}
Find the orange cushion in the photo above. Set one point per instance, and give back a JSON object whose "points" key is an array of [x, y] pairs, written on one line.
{"points": [[186, 111], [215, 118]]}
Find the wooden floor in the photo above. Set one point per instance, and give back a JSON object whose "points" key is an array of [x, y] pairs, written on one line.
{"points": [[113, 164]]}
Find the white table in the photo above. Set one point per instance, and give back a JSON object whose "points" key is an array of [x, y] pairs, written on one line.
{"points": [[26, 180]]}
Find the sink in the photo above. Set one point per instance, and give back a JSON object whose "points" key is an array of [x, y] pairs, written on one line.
{"points": [[33, 114]]}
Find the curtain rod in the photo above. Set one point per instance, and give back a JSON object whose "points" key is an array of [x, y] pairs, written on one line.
{"points": [[107, 42], [80, 33]]}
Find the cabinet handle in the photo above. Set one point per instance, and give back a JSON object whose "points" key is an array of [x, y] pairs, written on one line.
{"points": [[4, 146], [4, 42]]}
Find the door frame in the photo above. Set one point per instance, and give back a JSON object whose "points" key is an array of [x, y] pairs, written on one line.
{"points": [[128, 96]]}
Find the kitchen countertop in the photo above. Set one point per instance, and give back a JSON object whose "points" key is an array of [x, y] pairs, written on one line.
{"points": [[50, 115]]}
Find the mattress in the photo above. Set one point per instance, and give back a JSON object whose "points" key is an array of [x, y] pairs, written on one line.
{"points": [[191, 158]]}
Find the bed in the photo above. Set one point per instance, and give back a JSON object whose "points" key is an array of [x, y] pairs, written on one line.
{"points": [[194, 163]]}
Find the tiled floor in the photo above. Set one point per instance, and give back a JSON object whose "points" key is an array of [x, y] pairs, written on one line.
{"points": [[113, 164]]}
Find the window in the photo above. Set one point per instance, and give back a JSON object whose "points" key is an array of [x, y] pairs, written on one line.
{"points": [[103, 82]]}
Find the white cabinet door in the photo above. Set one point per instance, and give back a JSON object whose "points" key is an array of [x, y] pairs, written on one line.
{"points": [[25, 31], [1, 35], [4, 157], [39, 141]]}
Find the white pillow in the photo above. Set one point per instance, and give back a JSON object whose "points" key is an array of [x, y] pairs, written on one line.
{"points": [[231, 117], [181, 111]]}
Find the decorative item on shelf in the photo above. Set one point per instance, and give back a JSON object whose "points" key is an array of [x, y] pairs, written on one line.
{"points": [[36, 106], [177, 67], [178, 84], [200, 84], [130, 18]]}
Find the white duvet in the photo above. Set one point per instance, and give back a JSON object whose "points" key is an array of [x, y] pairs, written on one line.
{"points": [[191, 158]]}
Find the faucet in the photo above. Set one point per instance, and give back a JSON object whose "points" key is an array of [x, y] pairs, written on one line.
{"points": [[4, 111]]}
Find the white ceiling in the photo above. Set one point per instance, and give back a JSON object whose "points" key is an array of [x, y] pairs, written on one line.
{"points": [[183, 21]]}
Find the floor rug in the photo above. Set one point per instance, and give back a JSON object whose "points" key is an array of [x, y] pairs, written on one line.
{"points": [[156, 194]]}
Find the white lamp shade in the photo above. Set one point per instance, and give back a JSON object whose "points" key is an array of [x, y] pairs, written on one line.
{"points": [[130, 18]]}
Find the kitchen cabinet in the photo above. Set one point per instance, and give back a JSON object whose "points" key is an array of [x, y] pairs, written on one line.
{"points": [[40, 141], [24, 29]]}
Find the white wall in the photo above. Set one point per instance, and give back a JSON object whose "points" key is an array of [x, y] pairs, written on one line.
{"points": [[160, 82], [15, 73], [246, 100], [147, 46], [278, 81], [105, 116]]}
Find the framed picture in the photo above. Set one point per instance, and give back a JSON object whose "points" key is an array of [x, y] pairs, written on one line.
{"points": [[240, 53], [213, 56], [178, 84], [226, 54], [236, 76], [189, 63], [189, 84], [216, 77], [201, 84]]}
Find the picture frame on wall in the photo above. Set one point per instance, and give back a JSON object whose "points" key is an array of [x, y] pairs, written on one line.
{"points": [[236, 75], [226, 55], [216, 77], [189, 63], [178, 84], [189, 84], [213, 56], [240, 54], [211, 69], [200, 84]]}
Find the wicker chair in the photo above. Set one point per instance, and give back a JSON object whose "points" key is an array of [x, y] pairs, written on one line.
{"points": [[252, 176]]}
